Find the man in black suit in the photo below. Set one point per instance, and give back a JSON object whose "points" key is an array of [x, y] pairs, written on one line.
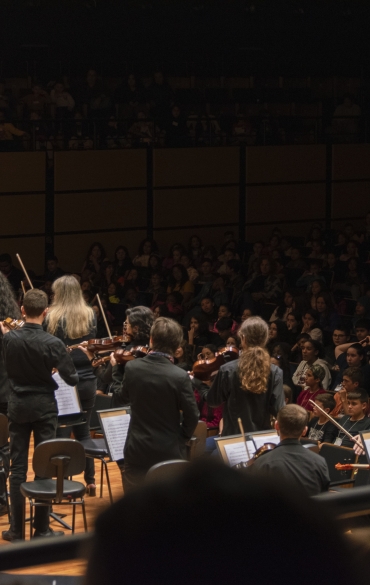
{"points": [[164, 412], [290, 462]]}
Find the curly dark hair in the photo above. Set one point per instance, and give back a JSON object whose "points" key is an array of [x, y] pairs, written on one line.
{"points": [[143, 318]]}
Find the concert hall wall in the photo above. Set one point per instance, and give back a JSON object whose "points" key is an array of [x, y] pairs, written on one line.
{"points": [[120, 197]]}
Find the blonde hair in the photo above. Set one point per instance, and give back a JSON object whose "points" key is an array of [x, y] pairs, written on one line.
{"points": [[69, 309], [254, 362]]}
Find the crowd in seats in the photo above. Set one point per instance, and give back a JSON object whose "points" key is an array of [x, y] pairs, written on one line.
{"points": [[314, 292], [138, 111]]}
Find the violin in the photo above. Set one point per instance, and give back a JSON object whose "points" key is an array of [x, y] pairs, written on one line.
{"points": [[105, 344], [229, 352], [123, 356], [202, 369], [13, 324], [261, 451]]}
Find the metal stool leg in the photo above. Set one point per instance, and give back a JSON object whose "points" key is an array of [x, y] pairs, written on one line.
{"points": [[101, 478], [108, 480], [73, 515], [84, 513]]}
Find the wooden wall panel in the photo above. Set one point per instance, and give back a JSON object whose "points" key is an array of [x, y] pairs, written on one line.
{"points": [[195, 166], [263, 232], [22, 171], [31, 250], [285, 202], [207, 205], [351, 161], [100, 169], [22, 214], [350, 199], [93, 211], [208, 235], [274, 164], [71, 250]]}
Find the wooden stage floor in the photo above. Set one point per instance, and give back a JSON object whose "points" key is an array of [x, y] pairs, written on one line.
{"points": [[94, 506]]}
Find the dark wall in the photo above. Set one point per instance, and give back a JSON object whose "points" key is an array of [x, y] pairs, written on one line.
{"points": [[121, 196]]}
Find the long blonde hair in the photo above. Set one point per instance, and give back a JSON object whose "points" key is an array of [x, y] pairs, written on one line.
{"points": [[254, 362], [69, 309]]}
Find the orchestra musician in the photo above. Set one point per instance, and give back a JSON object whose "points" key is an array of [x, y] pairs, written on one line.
{"points": [[250, 387], [8, 308], [73, 321], [290, 461], [30, 355], [137, 325], [157, 391]]}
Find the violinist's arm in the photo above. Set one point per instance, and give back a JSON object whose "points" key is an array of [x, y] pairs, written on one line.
{"points": [[219, 391], [62, 362], [88, 353], [117, 376]]}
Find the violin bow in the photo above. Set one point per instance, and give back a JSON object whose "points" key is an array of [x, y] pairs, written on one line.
{"points": [[336, 424], [104, 316], [349, 466], [243, 435], [24, 270]]}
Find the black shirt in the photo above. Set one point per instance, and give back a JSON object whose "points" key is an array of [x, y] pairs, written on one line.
{"points": [[352, 427], [296, 465], [30, 354], [253, 409], [325, 433], [80, 360]]}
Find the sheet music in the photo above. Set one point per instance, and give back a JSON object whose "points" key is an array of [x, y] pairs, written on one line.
{"points": [[115, 432], [66, 397], [367, 446], [260, 440], [237, 453]]}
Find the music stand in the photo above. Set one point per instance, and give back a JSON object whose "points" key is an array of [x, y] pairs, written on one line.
{"points": [[115, 423], [232, 448]]}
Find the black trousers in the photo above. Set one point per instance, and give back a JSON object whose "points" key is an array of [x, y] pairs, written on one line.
{"points": [[4, 455], [44, 428], [87, 392]]}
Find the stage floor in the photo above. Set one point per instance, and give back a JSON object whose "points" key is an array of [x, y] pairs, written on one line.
{"points": [[94, 506]]}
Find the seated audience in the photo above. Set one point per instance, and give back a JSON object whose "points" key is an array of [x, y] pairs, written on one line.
{"points": [[312, 387], [312, 354], [356, 420], [320, 428], [352, 380]]}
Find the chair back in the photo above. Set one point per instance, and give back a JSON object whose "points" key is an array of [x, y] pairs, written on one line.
{"points": [[198, 440], [166, 470], [102, 402], [70, 449], [4, 430], [334, 454]]}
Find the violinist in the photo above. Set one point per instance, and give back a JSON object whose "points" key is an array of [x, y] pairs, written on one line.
{"points": [[157, 391], [71, 320], [137, 325], [30, 354], [251, 387], [290, 462], [8, 308]]}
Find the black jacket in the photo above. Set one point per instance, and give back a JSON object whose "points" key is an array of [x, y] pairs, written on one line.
{"points": [[292, 463], [253, 409], [157, 391]]}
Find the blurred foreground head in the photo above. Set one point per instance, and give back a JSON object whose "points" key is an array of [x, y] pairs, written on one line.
{"points": [[216, 525]]}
